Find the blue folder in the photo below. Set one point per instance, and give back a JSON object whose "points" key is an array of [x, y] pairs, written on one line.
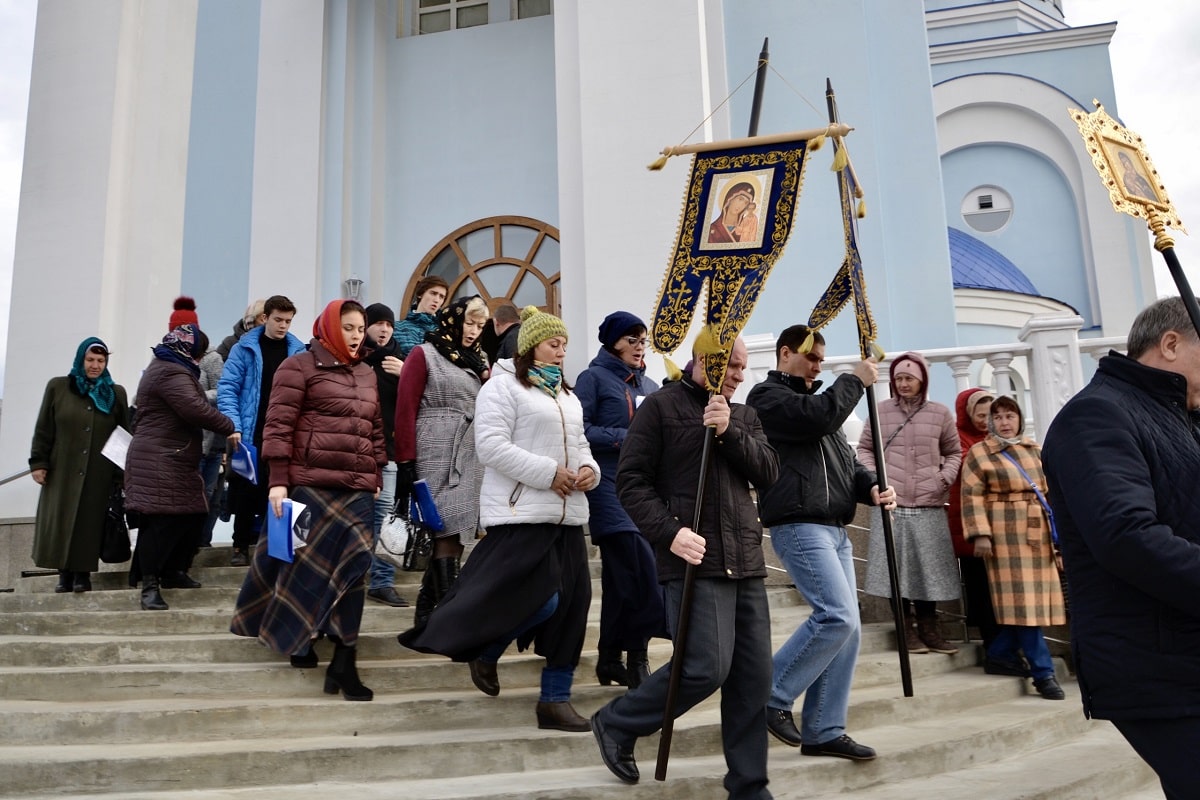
{"points": [[244, 461]]}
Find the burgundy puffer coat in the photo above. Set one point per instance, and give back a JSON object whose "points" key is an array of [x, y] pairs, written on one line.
{"points": [[162, 469], [323, 426]]}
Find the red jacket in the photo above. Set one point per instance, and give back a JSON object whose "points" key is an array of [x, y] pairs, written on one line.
{"points": [[323, 426]]}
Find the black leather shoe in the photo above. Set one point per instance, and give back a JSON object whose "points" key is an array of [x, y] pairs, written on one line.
{"points": [[306, 660], [66, 581], [483, 675], [841, 747], [994, 666], [388, 596], [783, 727], [1049, 689], [618, 759], [83, 582], [240, 558]]}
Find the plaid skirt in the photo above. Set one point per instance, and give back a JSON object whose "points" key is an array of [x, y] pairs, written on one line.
{"points": [[285, 605]]}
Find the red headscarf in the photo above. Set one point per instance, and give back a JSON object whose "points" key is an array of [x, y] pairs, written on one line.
{"points": [[968, 434], [328, 329]]}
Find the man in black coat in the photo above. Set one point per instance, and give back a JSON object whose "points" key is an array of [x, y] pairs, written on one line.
{"points": [[820, 486], [729, 644], [1121, 459]]}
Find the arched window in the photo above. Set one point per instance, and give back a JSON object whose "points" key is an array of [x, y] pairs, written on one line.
{"points": [[499, 258]]}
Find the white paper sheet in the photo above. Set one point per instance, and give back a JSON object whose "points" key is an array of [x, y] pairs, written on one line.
{"points": [[117, 446]]}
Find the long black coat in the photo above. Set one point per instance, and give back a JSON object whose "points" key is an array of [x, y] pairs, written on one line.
{"points": [[1121, 459], [659, 470]]}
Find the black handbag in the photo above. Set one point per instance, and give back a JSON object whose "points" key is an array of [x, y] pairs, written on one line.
{"points": [[114, 538], [420, 548]]}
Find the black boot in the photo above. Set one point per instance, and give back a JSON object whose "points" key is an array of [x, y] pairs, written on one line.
{"points": [[638, 668], [83, 582], [343, 674], [610, 669], [66, 581], [151, 598], [425, 601], [445, 573], [179, 579]]}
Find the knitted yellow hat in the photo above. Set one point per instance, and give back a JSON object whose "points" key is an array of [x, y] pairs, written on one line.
{"points": [[536, 327]]}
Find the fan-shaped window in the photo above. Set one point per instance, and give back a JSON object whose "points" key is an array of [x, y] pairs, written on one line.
{"points": [[499, 258], [987, 209]]}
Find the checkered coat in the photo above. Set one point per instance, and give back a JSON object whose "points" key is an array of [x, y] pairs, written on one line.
{"points": [[998, 502]]}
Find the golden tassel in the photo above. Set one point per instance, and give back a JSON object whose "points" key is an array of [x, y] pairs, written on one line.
{"points": [[809, 341], [862, 209], [815, 143], [708, 343], [657, 164], [674, 373], [877, 352], [840, 159]]}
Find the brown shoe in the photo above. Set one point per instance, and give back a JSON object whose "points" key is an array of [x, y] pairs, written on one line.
{"points": [[927, 630], [561, 717], [911, 640], [484, 676]]}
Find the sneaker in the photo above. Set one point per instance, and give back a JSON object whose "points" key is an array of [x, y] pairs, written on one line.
{"points": [[239, 558], [996, 666], [1049, 689], [783, 727], [841, 747], [388, 596]]}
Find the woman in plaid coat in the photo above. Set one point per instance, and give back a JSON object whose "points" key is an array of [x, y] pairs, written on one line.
{"points": [[1004, 517]]}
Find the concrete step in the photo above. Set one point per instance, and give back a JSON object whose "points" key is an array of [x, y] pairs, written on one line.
{"points": [[524, 762]]}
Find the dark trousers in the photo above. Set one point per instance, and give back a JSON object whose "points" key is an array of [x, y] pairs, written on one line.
{"points": [[631, 603], [978, 597], [1169, 746], [247, 501], [728, 648], [167, 542]]}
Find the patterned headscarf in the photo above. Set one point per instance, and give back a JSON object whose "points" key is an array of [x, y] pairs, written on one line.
{"points": [[182, 346], [328, 329], [99, 390], [448, 337]]}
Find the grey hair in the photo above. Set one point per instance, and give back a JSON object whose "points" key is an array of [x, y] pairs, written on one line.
{"points": [[1169, 314]]}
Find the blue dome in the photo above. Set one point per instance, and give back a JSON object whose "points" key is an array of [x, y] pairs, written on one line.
{"points": [[975, 265]]}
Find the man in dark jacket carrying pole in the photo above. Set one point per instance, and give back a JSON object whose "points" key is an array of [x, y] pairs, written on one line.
{"points": [[820, 485], [730, 628], [1121, 459]]}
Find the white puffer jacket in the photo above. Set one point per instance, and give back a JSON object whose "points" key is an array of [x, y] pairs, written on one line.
{"points": [[522, 436]]}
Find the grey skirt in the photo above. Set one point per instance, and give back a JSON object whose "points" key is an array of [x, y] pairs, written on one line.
{"points": [[924, 555]]}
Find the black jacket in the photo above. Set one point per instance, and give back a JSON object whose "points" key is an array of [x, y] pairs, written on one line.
{"points": [[387, 389], [659, 469], [820, 480], [1122, 460]]}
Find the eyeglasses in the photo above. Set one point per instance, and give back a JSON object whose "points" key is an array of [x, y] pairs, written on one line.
{"points": [[634, 341]]}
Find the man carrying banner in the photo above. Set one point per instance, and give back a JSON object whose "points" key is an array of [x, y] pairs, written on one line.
{"points": [[820, 485], [730, 630]]}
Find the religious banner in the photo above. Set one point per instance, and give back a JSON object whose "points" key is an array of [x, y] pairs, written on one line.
{"points": [[848, 284], [737, 216]]}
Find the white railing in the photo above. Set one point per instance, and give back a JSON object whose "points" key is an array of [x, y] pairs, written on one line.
{"points": [[1044, 369]]}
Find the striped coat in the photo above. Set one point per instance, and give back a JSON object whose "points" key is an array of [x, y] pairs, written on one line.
{"points": [[998, 502]]}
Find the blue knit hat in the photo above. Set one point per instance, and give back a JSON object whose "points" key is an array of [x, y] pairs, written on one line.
{"points": [[616, 325]]}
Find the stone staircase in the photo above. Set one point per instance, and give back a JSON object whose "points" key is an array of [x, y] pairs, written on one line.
{"points": [[101, 699]]}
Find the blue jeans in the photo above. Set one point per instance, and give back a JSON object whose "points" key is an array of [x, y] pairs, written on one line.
{"points": [[818, 660], [1029, 639], [383, 573]]}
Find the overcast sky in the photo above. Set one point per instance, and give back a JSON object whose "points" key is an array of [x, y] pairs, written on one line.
{"points": [[1155, 67]]}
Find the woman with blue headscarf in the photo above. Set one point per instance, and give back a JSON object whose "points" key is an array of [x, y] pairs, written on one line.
{"points": [[79, 412]]}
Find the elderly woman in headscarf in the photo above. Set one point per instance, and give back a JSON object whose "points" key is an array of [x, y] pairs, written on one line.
{"points": [[435, 437], [1006, 516], [528, 579], [923, 454], [323, 445], [78, 414], [972, 410], [162, 478]]}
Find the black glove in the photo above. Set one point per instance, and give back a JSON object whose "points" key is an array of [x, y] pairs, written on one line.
{"points": [[406, 476]]}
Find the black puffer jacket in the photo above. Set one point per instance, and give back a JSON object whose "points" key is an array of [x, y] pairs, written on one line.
{"points": [[660, 467], [1121, 459], [162, 468], [820, 480]]}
